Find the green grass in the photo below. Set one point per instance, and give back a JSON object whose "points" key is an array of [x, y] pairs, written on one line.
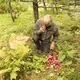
{"points": [[24, 23]]}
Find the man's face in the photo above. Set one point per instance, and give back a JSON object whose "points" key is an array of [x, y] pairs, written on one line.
{"points": [[48, 24]]}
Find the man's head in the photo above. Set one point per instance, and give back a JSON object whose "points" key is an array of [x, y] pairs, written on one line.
{"points": [[47, 20]]}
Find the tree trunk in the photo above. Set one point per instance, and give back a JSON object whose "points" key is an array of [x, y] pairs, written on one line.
{"points": [[44, 5], [35, 9], [56, 6], [75, 6], [75, 3], [11, 10], [52, 6], [6, 6]]}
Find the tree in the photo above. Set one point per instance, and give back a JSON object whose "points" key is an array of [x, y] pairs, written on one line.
{"points": [[11, 10], [44, 3], [35, 9]]}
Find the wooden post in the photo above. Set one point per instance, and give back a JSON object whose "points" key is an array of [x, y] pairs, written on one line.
{"points": [[35, 10]]}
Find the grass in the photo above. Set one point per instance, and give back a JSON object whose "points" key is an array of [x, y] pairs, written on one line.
{"points": [[24, 23]]}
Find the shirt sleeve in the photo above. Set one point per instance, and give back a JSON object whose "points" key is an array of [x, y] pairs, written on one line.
{"points": [[36, 28], [56, 33], [36, 32]]}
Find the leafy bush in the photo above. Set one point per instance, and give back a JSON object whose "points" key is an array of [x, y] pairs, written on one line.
{"points": [[20, 62], [13, 62], [14, 67]]}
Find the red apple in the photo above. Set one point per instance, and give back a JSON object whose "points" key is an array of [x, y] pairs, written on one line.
{"points": [[3, 6], [49, 57], [58, 74], [15, 11], [57, 66], [56, 62]]}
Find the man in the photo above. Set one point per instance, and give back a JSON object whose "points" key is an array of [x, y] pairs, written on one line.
{"points": [[44, 29]]}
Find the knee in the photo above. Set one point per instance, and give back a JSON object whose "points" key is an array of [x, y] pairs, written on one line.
{"points": [[35, 38]]}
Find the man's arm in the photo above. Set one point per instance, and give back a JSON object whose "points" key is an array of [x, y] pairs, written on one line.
{"points": [[56, 34], [38, 29], [55, 37]]}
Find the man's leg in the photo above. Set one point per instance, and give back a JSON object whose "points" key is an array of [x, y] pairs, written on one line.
{"points": [[38, 44], [46, 46]]}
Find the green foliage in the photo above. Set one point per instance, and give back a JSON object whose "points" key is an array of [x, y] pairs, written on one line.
{"points": [[75, 74], [3, 8], [60, 78], [66, 52], [24, 24], [17, 63], [4, 70], [20, 7], [35, 64], [13, 61]]}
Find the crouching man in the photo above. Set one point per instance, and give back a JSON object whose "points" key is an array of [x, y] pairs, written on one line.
{"points": [[44, 29]]}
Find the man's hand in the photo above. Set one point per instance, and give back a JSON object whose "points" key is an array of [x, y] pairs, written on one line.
{"points": [[52, 46], [42, 29]]}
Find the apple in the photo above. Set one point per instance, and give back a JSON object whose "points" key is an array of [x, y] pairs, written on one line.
{"points": [[15, 11]]}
